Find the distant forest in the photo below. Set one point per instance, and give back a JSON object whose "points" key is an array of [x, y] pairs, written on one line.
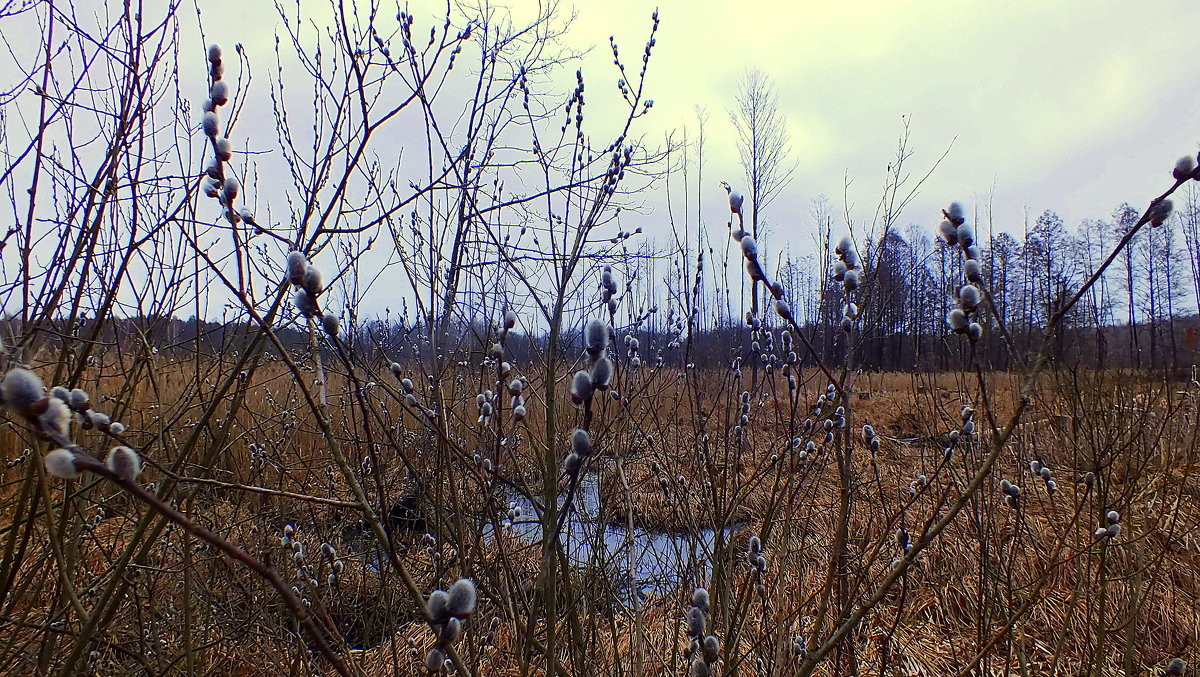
{"points": [[1141, 314]]}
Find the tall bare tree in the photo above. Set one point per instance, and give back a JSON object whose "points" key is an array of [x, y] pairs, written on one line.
{"points": [[763, 142]]}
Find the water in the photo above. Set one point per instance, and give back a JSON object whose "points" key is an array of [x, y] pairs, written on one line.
{"points": [[641, 562]]}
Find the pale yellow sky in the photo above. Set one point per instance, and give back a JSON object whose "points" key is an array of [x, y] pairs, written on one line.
{"points": [[1072, 106], [1067, 105]]}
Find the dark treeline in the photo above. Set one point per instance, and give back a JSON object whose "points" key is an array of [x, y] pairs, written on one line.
{"points": [[1141, 314]]}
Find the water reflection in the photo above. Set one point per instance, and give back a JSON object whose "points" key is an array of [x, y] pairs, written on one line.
{"points": [[641, 562]]}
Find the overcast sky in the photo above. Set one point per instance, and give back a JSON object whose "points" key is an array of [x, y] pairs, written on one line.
{"points": [[1070, 106]]}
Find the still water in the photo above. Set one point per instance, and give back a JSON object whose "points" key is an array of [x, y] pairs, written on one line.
{"points": [[641, 562]]}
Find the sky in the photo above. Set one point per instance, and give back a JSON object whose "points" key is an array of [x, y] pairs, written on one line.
{"points": [[1063, 105], [1070, 106]]}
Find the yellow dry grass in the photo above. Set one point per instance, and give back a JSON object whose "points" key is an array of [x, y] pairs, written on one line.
{"points": [[956, 596]]}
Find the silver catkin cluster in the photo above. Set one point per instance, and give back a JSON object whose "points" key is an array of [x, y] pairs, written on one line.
{"points": [[750, 252], [586, 383], [1043, 473], [512, 516], [791, 361], [918, 485], [1185, 169], [216, 183], [23, 392], [834, 418], [1174, 669], [871, 438], [306, 576], [1011, 493], [739, 429], [516, 389], [762, 345], [504, 370], [483, 401], [406, 385], [632, 345], [705, 647], [608, 293], [957, 233], [664, 484], [309, 285], [968, 421], [757, 561], [847, 270], [333, 560], [446, 610], [1112, 526]]}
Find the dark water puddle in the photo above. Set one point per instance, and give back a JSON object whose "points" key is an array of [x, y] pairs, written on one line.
{"points": [[638, 563]]}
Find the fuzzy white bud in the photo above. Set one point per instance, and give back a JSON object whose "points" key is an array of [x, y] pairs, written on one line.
{"points": [[23, 391], [209, 124], [1160, 211], [581, 387], [124, 463], [581, 442], [329, 322], [450, 632], [297, 266], [573, 463], [749, 247], [957, 320], [949, 233], [306, 304], [229, 190], [844, 245], [56, 418], [968, 298], [61, 463], [461, 598], [313, 282], [839, 270], [595, 337], [966, 235], [438, 606], [219, 93], [602, 373], [1185, 167], [973, 270], [79, 399], [955, 212]]}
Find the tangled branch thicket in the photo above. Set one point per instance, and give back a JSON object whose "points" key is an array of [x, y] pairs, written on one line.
{"points": [[536, 465]]}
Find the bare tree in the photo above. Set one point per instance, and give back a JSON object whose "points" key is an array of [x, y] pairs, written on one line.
{"points": [[763, 142]]}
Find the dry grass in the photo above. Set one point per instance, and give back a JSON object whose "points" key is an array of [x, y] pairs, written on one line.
{"points": [[932, 625]]}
